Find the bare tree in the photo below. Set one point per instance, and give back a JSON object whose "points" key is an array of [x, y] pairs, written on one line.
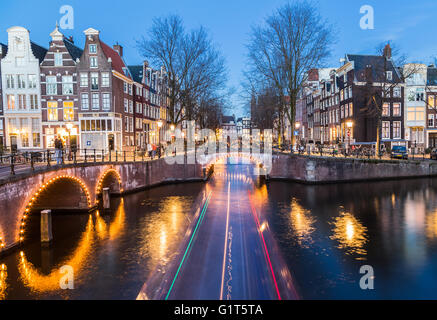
{"points": [[193, 64], [291, 41]]}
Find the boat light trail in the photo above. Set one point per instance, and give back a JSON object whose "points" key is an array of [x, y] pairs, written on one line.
{"points": [[205, 207], [264, 243], [226, 241]]}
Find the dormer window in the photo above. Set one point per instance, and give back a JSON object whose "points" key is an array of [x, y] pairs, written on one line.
{"points": [[389, 75], [93, 48]]}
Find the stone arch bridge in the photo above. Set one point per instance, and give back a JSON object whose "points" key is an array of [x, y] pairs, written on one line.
{"points": [[78, 186]]}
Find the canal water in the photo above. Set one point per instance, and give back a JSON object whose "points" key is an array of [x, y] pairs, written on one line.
{"points": [[325, 233]]}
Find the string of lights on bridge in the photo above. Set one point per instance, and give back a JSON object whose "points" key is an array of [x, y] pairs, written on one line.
{"points": [[40, 190]]}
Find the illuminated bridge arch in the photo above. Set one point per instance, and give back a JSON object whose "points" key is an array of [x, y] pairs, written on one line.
{"points": [[109, 178], [258, 159], [43, 193]]}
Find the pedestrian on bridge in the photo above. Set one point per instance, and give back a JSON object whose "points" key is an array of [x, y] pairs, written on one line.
{"points": [[58, 150]]}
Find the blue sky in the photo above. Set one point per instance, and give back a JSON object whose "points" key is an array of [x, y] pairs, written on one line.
{"points": [[410, 24]]}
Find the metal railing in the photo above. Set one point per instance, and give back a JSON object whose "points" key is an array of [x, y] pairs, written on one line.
{"points": [[357, 153], [15, 162]]}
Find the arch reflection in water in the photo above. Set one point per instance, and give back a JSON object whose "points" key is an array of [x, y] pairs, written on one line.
{"points": [[40, 283], [116, 227], [302, 223], [350, 234]]}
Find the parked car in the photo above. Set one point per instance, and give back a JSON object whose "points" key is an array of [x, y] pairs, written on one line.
{"points": [[433, 154], [399, 152]]}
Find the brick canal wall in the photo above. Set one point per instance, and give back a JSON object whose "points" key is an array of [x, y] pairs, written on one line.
{"points": [[314, 170], [21, 192]]}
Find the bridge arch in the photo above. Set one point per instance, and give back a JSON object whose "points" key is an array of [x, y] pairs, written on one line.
{"points": [[114, 177], [212, 159], [32, 203]]}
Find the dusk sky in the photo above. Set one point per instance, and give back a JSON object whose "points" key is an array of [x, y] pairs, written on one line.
{"points": [[410, 24]]}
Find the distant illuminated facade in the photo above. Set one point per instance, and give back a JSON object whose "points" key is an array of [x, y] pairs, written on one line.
{"points": [[21, 91]]}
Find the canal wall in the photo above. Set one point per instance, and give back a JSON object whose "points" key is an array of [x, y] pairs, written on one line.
{"points": [[319, 170], [20, 194]]}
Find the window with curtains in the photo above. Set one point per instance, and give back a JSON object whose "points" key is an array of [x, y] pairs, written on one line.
{"points": [[52, 111], [68, 111]]}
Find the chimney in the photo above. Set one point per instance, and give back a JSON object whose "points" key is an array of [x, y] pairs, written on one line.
{"points": [[119, 49], [387, 51], [70, 38]]}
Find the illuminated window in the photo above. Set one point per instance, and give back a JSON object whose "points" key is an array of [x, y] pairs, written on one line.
{"points": [[431, 101], [396, 109], [386, 129], [11, 101], [386, 110], [52, 111], [68, 111], [36, 137]]}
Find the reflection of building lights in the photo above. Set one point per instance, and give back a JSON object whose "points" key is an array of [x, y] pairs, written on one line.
{"points": [[350, 234], [3, 284], [302, 223], [431, 225]]}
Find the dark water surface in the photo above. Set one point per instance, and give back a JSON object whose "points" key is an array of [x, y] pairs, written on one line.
{"points": [[325, 233]]}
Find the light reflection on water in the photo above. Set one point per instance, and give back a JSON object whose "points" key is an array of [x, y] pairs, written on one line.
{"points": [[328, 232], [350, 234], [111, 255], [302, 223]]}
